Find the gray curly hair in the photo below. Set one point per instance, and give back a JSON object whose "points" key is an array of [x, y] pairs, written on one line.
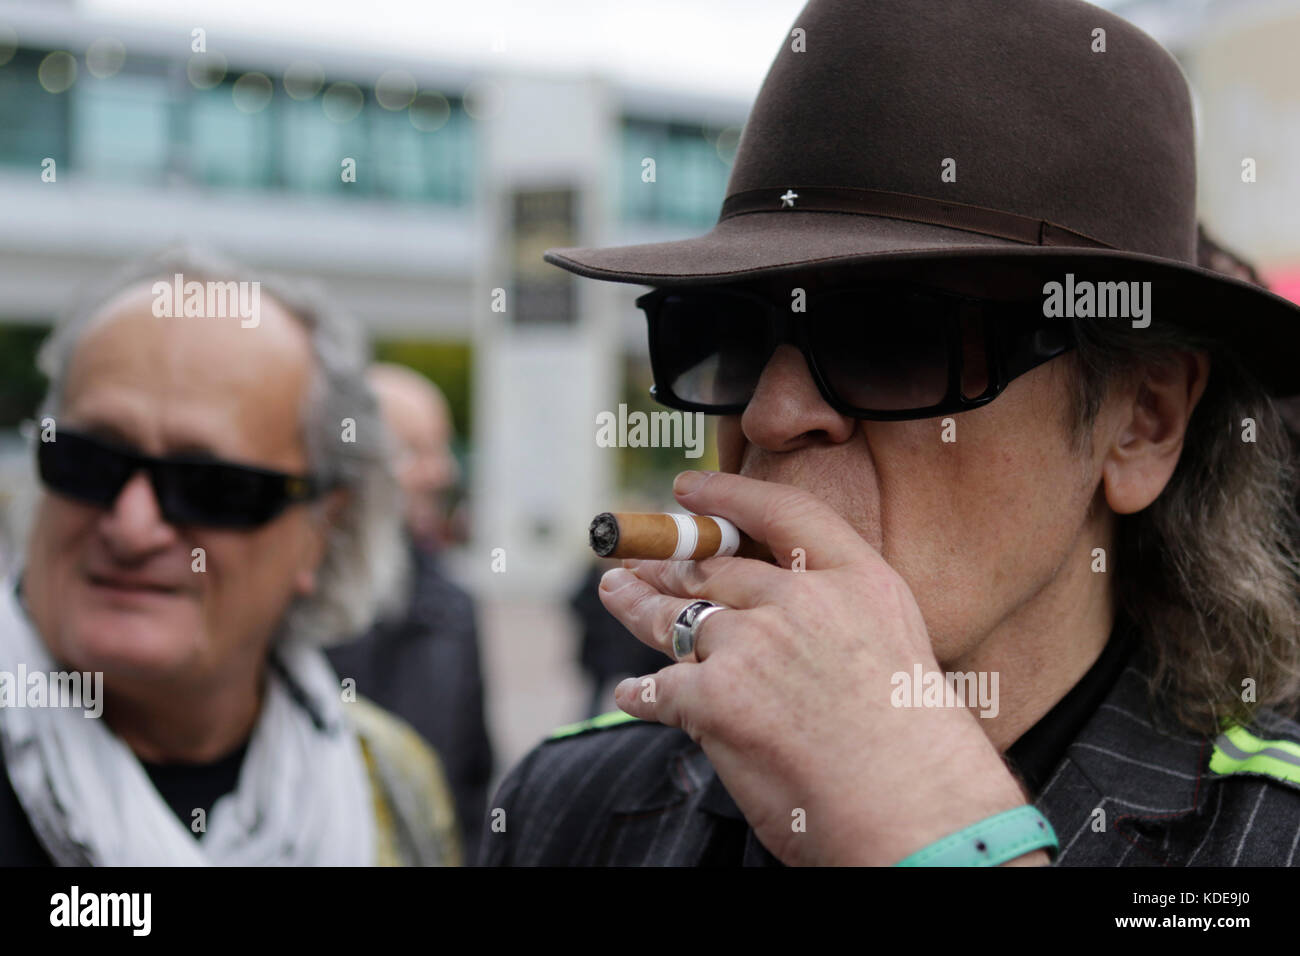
{"points": [[364, 573]]}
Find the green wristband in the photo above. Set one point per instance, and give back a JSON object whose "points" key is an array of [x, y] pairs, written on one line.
{"points": [[991, 842]]}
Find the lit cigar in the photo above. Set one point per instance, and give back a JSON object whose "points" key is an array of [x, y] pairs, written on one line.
{"points": [[670, 537]]}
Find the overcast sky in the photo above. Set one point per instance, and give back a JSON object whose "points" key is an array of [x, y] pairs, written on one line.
{"points": [[711, 46]]}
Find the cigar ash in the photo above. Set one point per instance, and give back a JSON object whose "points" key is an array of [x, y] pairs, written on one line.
{"points": [[603, 534]]}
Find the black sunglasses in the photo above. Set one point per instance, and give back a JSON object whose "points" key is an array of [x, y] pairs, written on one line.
{"points": [[885, 351], [190, 490]]}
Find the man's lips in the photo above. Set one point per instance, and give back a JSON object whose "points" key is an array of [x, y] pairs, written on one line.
{"points": [[132, 585]]}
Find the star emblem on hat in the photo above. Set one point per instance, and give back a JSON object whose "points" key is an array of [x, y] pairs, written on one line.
{"points": [[787, 201]]}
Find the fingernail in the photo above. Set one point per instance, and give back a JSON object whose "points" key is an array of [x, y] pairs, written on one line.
{"points": [[688, 481], [616, 578], [626, 688]]}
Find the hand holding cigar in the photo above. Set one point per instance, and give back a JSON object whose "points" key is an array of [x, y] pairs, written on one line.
{"points": [[670, 537]]}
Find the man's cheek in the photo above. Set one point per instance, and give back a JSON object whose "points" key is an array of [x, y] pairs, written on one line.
{"points": [[59, 526], [731, 443]]}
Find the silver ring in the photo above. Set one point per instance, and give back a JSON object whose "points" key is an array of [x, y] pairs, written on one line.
{"points": [[687, 626]]}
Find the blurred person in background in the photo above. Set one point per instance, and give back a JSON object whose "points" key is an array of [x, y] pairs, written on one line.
{"points": [[419, 422], [1212, 254], [607, 651], [207, 522], [423, 664]]}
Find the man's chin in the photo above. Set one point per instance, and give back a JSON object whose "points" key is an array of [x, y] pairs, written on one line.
{"points": [[131, 646]]}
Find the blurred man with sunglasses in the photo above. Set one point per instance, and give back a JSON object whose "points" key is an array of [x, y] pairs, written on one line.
{"points": [[216, 505], [1033, 595]]}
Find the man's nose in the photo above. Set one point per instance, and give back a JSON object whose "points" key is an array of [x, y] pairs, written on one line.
{"points": [[134, 524], [788, 411]]}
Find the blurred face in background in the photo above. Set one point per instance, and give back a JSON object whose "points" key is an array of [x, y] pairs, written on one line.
{"points": [[419, 422], [115, 589]]}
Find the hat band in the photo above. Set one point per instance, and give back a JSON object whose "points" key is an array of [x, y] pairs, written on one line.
{"points": [[877, 202]]}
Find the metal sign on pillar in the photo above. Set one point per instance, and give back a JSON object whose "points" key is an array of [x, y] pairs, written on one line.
{"points": [[542, 219]]}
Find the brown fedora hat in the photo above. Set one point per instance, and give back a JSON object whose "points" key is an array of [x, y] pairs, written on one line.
{"points": [[971, 134]]}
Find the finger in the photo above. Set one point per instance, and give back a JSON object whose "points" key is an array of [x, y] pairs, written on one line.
{"points": [[735, 582], [648, 613], [665, 697], [782, 517]]}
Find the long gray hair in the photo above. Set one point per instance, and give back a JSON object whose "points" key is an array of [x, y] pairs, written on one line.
{"points": [[1208, 572], [364, 572]]}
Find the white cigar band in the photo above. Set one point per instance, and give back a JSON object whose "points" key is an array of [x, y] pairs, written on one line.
{"points": [[688, 536], [730, 538]]}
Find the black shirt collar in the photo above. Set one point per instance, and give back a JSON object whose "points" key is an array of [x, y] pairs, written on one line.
{"points": [[1035, 755]]}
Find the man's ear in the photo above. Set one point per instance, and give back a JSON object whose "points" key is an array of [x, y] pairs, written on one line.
{"points": [[324, 518], [1142, 457]]}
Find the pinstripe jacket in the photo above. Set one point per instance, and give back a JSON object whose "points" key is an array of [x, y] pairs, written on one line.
{"points": [[1126, 793]]}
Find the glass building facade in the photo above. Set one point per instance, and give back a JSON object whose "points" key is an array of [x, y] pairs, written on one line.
{"points": [[691, 166], [161, 122], [148, 123]]}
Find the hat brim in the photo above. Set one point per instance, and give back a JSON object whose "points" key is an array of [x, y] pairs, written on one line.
{"points": [[1261, 327]]}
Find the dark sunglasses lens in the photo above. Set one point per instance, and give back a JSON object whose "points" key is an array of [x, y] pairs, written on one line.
{"points": [[880, 350], [199, 493], [83, 468], [710, 348], [975, 373], [217, 495]]}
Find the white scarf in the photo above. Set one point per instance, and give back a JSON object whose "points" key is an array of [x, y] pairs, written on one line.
{"points": [[303, 797]]}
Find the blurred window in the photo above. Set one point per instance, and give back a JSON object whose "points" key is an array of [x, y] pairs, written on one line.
{"points": [[138, 125], [229, 147], [313, 148], [33, 122], [424, 164], [690, 173], [121, 124]]}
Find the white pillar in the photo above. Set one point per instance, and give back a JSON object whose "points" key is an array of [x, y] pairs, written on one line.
{"points": [[539, 476]]}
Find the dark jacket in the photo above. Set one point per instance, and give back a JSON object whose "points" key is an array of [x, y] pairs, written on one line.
{"points": [[638, 793], [18, 843], [425, 669], [608, 650]]}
